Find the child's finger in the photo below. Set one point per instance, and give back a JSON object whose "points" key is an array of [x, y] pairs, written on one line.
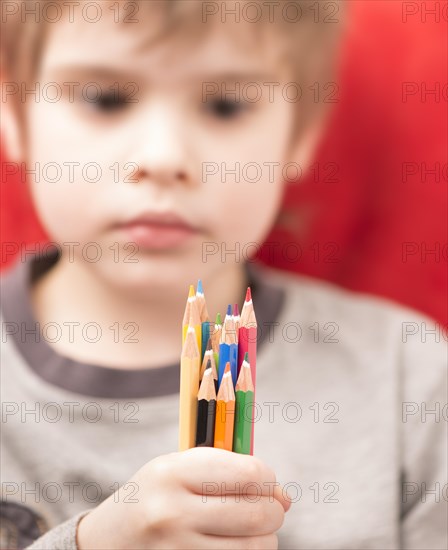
{"points": [[211, 471], [282, 497], [236, 518], [266, 542]]}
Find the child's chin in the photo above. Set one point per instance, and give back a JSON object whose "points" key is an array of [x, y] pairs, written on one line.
{"points": [[152, 275]]}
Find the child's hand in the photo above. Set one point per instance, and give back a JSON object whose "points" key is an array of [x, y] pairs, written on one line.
{"points": [[188, 500]]}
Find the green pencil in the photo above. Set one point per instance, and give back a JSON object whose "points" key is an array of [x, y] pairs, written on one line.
{"points": [[216, 338], [244, 399]]}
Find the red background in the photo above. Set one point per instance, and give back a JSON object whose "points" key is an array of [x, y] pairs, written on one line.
{"points": [[353, 231]]}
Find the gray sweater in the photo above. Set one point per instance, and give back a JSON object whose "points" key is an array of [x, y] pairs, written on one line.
{"points": [[345, 389]]}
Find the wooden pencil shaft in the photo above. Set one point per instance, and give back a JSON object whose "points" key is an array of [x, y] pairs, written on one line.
{"points": [[248, 314], [209, 357], [216, 338], [229, 333], [194, 321], [187, 312], [202, 304]]}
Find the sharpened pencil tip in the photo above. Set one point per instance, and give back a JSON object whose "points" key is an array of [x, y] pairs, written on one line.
{"points": [[229, 310], [248, 294], [246, 357], [227, 369], [191, 292], [218, 319], [236, 310], [199, 287], [209, 344]]}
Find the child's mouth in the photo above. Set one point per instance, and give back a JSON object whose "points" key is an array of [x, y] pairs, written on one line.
{"points": [[157, 231]]}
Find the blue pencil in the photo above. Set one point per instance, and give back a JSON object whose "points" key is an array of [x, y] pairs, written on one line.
{"points": [[228, 348], [205, 321]]}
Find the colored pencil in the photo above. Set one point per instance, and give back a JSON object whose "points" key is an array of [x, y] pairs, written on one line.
{"points": [[225, 412], [244, 409], [247, 343], [195, 322], [189, 384], [228, 348], [216, 338], [202, 305], [205, 336], [236, 317], [203, 315], [209, 362], [187, 312], [205, 432]]}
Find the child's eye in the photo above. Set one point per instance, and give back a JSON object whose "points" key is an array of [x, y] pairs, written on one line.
{"points": [[109, 102], [226, 109]]}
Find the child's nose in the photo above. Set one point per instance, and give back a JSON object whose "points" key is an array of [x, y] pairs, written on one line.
{"points": [[164, 156]]}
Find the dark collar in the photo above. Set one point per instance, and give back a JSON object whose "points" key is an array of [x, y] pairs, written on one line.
{"points": [[95, 380]]}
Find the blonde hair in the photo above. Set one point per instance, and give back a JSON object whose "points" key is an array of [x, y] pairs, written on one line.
{"points": [[310, 41]]}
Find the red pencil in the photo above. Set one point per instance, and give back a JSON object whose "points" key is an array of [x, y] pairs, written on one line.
{"points": [[247, 343]]}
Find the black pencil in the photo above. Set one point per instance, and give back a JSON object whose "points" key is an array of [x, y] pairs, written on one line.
{"points": [[205, 432], [209, 361]]}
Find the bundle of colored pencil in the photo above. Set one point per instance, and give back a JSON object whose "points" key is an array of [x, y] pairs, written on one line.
{"points": [[217, 376]]}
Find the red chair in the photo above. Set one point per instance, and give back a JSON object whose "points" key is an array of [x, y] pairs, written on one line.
{"points": [[382, 226]]}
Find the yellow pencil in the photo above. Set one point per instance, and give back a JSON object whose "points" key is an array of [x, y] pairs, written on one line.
{"points": [[192, 318], [189, 385], [187, 312]]}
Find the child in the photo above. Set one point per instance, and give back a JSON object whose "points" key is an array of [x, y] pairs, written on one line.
{"points": [[139, 115]]}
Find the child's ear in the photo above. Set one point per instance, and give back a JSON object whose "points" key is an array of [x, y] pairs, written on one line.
{"points": [[303, 146], [9, 121]]}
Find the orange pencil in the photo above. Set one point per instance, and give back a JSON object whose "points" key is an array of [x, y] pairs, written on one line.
{"points": [[225, 412]]}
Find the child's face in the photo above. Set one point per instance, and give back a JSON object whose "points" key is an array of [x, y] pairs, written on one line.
{"points": [[174, 139]]}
